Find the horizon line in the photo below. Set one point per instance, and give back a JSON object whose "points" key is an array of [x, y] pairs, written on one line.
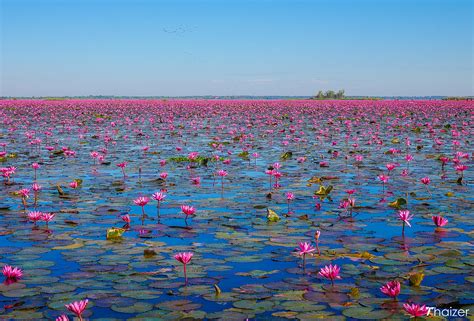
{"points": [[234, 96]]}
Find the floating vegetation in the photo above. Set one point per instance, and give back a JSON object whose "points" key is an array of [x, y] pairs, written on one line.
{"points": [[235, 210]]}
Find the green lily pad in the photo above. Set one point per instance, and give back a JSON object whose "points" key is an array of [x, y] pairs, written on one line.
{"points": [[138, 307], [257, 274], [141, 294], [178, 305], [363, 313]]}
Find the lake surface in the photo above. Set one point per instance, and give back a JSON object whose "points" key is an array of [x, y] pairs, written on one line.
{"points": [[253, 261]]}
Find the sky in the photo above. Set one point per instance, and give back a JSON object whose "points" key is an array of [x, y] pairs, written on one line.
{"points": [[229, 47]]}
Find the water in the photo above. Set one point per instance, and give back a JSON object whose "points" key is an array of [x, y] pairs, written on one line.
{"points": [[253, 261]]}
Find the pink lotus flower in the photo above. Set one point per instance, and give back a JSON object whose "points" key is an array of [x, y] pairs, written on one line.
{"points": [[193, 155], [62, 317], [69, 153], [439, 221], [425, 180], [184, 258], [444, 160], [222, 173], [122, 167], [405, 216], [392, 289], [24, 192], [35, 216], [35, 166], [276, 173], [390, 166], [188, 210], [36, 187], [163, 162], [415, 310], [330, 272], [141, 201], [290, 196], [317, 234], [126, 218], [344, 204], [159, 196], [305, 248], [77, 307], [269, 172], [47, 217], [73, 184], [196, 180], [301, 159], [383, 178], [12, 274], [164, 175], [462, 155], [8, 171], [351, 201]]}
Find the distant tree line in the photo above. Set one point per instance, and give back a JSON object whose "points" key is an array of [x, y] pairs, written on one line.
{"points": [[458, 98], [330, 94]]}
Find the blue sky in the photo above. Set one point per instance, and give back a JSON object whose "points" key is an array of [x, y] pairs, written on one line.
{"points": [[228, 47]]}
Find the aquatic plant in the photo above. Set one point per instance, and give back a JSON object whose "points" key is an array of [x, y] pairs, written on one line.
{"points": [[78, 308], [405, 217], [184, 258], [12, 274], [330, 272], [391, 289]]}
